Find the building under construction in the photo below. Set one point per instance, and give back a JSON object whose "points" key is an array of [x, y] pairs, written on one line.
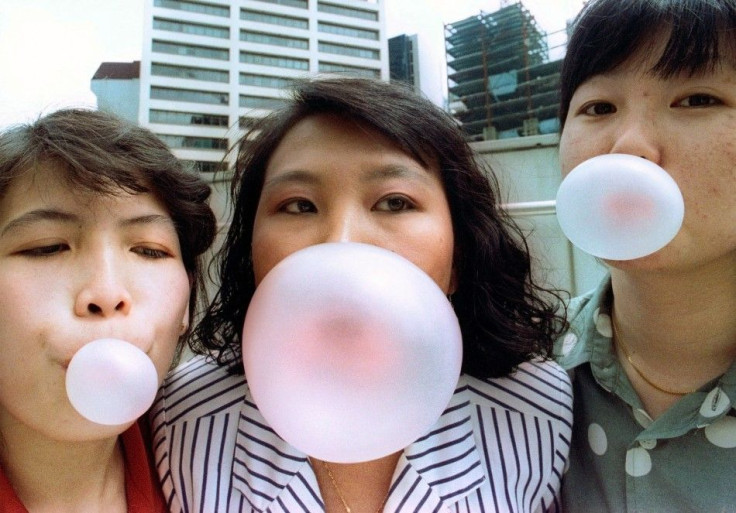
{"points": [[500, 81]]}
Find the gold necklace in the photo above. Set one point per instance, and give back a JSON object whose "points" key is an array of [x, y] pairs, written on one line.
{"points": [[342, 497], [620, 342]]}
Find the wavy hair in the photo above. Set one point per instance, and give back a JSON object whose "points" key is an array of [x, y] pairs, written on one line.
{"points": [[504, 316], [102, 153]]}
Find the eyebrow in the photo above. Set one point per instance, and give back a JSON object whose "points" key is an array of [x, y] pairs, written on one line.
{"points": [[35, 216], [380, 173], [395, 171], [39, 215], [149, 219]]}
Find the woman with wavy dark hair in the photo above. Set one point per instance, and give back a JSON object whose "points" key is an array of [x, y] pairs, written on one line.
{"points": [[301, 180]]}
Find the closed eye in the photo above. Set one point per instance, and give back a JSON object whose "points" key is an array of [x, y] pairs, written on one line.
{"points": [[45, 251], [394, 203], [152, 253], [298, 206]]}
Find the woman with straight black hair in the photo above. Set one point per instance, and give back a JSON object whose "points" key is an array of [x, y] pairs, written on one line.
{"points": [[360, 160], [652, 349]]}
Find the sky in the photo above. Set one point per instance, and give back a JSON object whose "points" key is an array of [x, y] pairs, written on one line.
{"points": [[49, 49]]}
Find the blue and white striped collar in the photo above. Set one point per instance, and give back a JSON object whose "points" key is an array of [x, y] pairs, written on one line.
{"points": [[441, 467]]}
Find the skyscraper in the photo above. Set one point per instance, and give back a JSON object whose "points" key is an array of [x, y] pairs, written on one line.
{"points": [[501, 82], [403, 59], [209, 67]]}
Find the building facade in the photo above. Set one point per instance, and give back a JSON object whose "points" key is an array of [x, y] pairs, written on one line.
{"points": [[403, 60], [209, 67], [501, 82]]}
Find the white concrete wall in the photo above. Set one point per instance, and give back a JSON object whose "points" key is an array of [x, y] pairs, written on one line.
{"points": [[117, 96], [529, 174]]}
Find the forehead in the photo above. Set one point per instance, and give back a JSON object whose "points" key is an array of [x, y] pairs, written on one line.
{"points": [[51, 182], [318, 136]]}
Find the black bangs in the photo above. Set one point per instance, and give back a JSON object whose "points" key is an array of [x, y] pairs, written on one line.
{"points": [[699, 33]]}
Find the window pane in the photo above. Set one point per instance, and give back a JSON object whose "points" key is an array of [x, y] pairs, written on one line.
{"points": [[272, 60], [182, 5], [196, 29], [348, 11], [209, 75], [186, 118], [205, 52], [273, 19], [189, 95]]}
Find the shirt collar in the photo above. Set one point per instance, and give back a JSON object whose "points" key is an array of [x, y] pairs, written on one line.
{"points": [[589, 341], [444, 465]]}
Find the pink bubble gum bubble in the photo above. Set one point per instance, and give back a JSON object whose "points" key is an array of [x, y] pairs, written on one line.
{"points": [[351, 352], [619, 207], [111, 382]]}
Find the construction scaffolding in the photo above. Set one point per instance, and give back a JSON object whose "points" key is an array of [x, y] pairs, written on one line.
{"points": [[500, 80]]}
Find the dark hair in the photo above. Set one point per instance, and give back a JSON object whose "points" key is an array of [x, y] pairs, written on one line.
{"points": [[607, 33], [102, 153], [503, 316]]}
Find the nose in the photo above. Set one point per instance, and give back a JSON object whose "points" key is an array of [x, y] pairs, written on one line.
{"points": [[347, 225], [102, 292], [638, 135]]}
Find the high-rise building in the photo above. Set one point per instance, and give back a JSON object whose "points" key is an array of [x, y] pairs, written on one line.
{"points": [[209, 67], [403, 60], [501, 82]]}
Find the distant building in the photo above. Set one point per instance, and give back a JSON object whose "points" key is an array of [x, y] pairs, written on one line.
{"points": [[117, 87], [500, 81], [403, 60], [209, 68]]}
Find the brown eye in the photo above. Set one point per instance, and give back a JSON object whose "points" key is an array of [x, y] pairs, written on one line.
{"points": [[599, 109], [698, 100], [394, 204], [299, 206]]}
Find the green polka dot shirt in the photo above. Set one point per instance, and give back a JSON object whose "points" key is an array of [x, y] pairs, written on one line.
{"points": [[620, 459]]}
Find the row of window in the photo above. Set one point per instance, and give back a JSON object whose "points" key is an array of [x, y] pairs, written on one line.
{"points": [[249, 79], [274, 40], [188, 118], [189, 95], [200, 29], [195, 29], [247, 58], [250, 57], [189, 72], [274, 19], [169, 117], [331, 28], [347, 11], [188, 141], [198, 7], [206, 166], [205, 52], [224, 11]]}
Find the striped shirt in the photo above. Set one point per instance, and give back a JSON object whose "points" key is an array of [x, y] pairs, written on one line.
{"points": [[501, 445]]}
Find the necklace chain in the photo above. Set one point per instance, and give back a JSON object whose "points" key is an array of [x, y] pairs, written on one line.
{"points": [[342, 497], [619, 340]]}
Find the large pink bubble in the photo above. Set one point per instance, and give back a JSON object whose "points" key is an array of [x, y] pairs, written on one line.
{"points": [[111, 382], [619, 207], [351, 352]]}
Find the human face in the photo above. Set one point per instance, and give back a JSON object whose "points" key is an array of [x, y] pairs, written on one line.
{"points": [[332, 180], [686, 125], [75, 267]]}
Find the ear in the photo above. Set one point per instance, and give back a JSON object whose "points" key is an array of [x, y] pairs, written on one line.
{"points": [[184, 326], [452, 288]]}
